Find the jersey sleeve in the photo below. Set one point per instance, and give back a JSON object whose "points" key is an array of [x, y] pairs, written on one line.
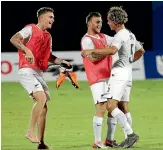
{"points": [[26, 32], [137, 45], [117, 41], [108, 39], [87, 43]]}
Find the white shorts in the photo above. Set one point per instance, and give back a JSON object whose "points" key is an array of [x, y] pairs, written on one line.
{"points": [[98, 89], [118, 89], [33, 81]]}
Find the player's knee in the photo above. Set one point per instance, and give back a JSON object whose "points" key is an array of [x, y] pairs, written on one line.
{"points": [[40, 97], [111, 105], [101, 109]]}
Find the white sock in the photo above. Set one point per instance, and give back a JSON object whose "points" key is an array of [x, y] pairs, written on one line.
{"points": [[121, 118], [111, 122], [129, 119], [97, 127]]}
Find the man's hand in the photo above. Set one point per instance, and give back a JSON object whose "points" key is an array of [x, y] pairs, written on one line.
{"points": [[66, 62], [29, 56], [65, 66]]}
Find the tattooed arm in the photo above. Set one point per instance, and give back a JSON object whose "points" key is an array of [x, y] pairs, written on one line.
{"points": [[95, 57], [16, 39], [87, 43]]}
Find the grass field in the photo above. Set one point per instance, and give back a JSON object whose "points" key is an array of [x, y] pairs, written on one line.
{"points": [[69, 124]]}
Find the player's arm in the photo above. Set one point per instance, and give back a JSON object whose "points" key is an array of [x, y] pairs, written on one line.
{"points": [[54, 59], [17, 38], [107, 51], [115, 46], [138, 54], [95, 57], [88, 44], [139, 51]]}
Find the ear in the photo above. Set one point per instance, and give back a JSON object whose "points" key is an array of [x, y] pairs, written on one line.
{"points": [[41, 17], [118, 25], [89, 24]]}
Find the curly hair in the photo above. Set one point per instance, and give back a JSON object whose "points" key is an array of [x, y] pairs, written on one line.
{"points": [[44, 10], [118, 15]]}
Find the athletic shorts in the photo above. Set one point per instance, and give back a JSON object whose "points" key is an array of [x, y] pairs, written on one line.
{"points": [[118, 89], [98, 89], [33, 81]]}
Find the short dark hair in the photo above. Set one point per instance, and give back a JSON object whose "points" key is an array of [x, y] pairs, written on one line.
{"points": [[92, 14], [43, 10], [118, 15]]}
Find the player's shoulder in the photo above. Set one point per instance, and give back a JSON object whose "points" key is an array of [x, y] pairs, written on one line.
{"points": [[124, 34], [30, 25], [28, 28], [128, 32], [120, 35], [33, 26], [86, 39]]}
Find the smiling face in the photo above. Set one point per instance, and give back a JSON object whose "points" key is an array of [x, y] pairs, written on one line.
{"points": [[47, 20], [111, 24], [95, 24]]}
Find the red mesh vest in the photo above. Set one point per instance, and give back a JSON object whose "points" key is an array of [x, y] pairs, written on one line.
{"points": [[99, 70], [39, 43]]}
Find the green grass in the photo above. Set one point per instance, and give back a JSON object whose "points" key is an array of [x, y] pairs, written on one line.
{"points": [[69, 121]]}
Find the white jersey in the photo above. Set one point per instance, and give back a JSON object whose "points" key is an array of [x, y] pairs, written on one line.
{"points": [[127, 44], [88, 44], [27, 32]]}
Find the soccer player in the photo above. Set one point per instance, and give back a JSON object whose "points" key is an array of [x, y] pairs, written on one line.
{"points": [[98, 70], [129, 50], [34, 44]]}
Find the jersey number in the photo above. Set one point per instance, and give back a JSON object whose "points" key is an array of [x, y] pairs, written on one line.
{"points": [[131, 57]]}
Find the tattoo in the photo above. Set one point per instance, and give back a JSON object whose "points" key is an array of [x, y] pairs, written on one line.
{"points": [[16, 41], [20, 46], [96, 56]]}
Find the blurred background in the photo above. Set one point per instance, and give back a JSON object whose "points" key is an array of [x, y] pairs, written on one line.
{"points": [[69, 124], [70, 21], [145, 21]]}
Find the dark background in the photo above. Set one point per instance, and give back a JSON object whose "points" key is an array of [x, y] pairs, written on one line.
{"points": [[69, 25], [157, 25]]}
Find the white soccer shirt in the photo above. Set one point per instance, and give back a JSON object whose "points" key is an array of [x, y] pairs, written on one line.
{"points": [[127, 44], [27, 32]]}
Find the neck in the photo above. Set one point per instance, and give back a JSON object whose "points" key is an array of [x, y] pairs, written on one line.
{"points": [[120, 28], [90, 32], [41, 27]]}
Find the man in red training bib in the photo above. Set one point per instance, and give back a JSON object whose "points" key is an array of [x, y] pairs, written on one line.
{"points": [[34, 44], [98, 69]]}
